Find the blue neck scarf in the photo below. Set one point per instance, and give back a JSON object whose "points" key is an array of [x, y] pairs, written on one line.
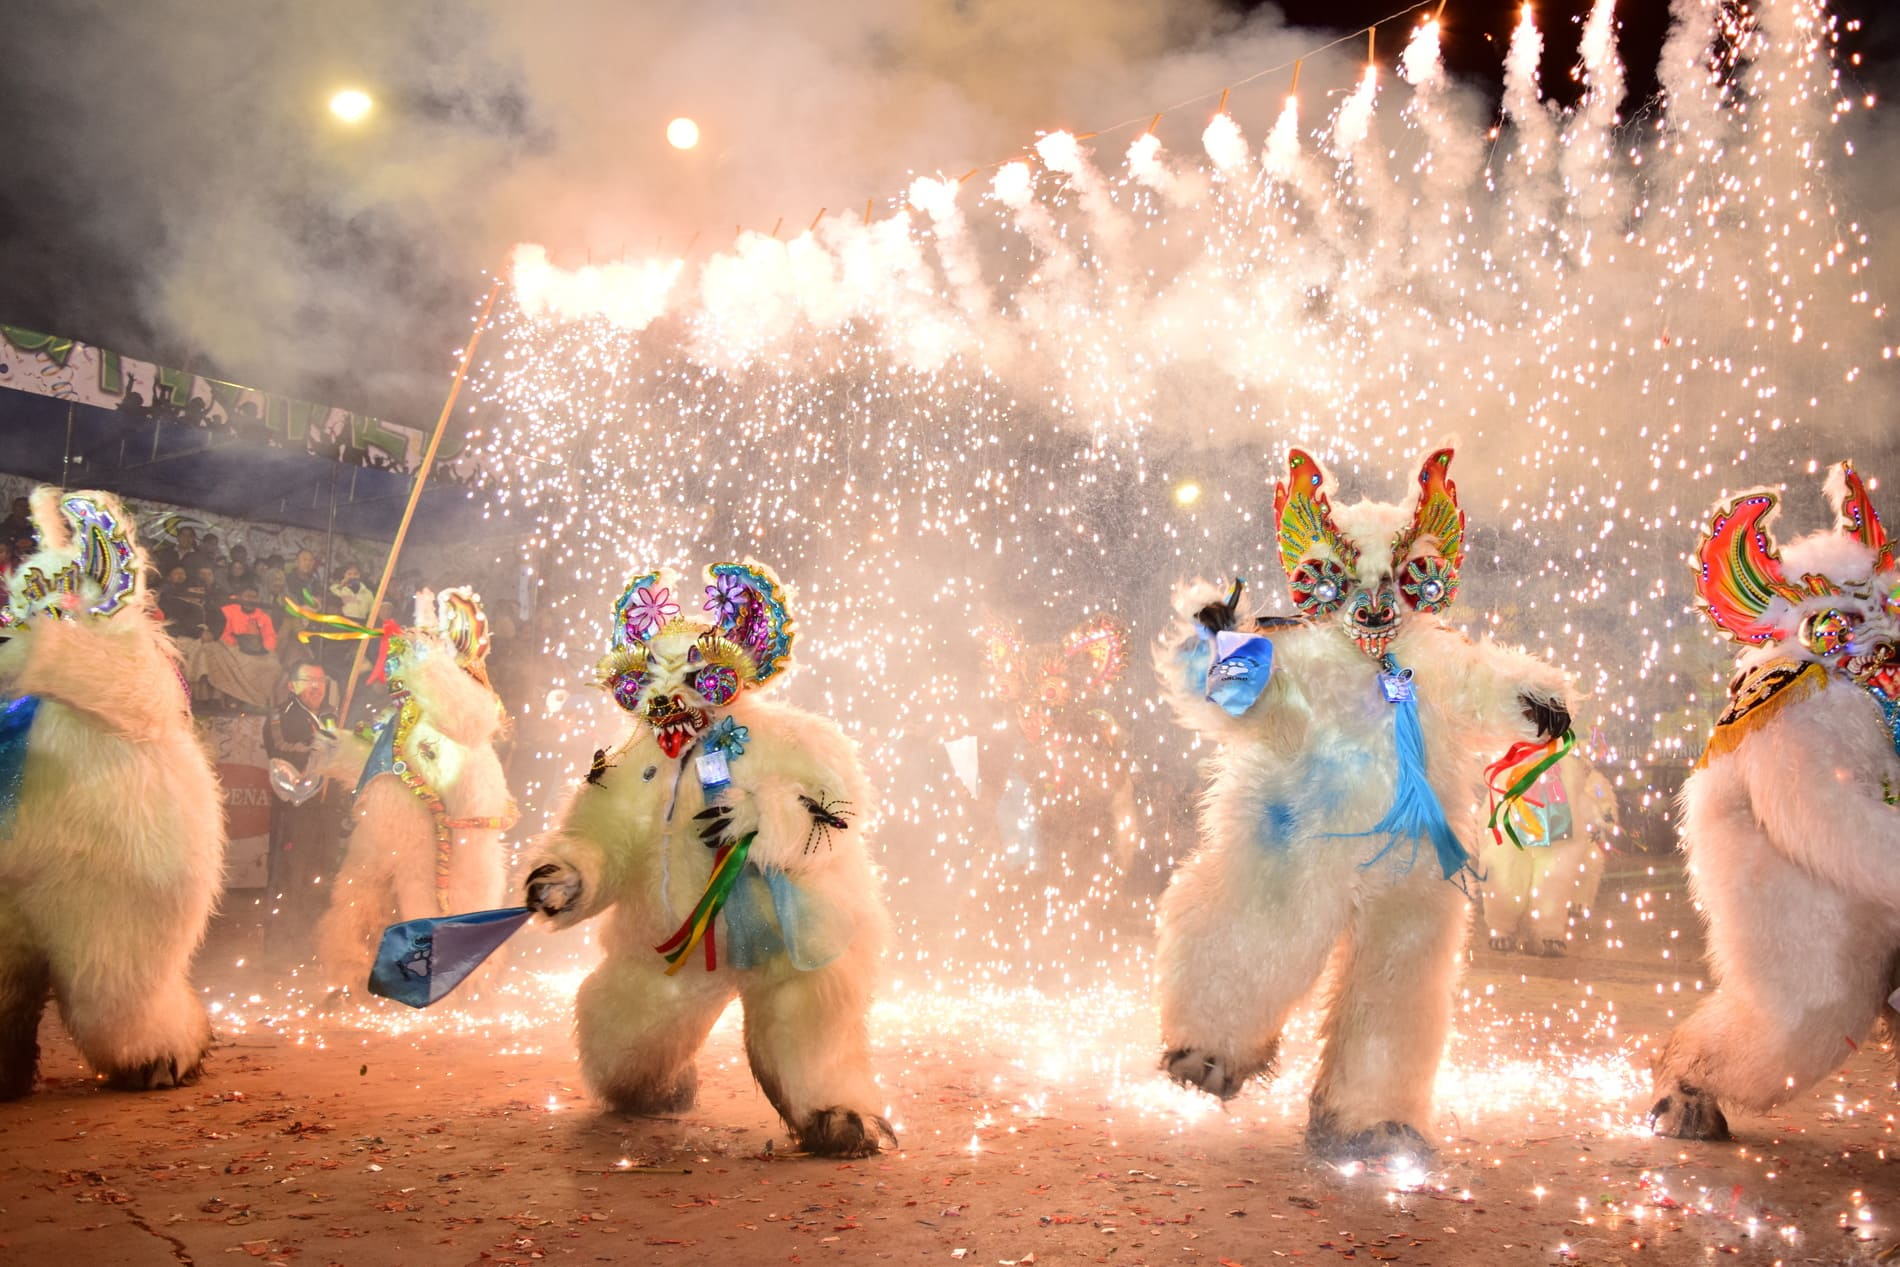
{"points": [[1415, 813], [16, 721]]}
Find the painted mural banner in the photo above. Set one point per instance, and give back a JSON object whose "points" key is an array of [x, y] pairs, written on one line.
{"points": [[238, 744], [66, 369]]}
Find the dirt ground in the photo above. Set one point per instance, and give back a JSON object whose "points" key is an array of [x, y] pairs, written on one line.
{"points": [[1034, 1131]]}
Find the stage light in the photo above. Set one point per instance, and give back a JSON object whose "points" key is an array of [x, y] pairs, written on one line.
{"points": [[351, 105]]}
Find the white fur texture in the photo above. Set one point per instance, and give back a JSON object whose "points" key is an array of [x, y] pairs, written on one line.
{"points": [[115, 857], [640, 1029], [1794, 860], [1530, 893], [388, 871], [1276, 889]]}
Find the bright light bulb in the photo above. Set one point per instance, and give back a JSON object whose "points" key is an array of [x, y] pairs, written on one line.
{"points": [[352, 105], [682, 133], [1187, 494]]}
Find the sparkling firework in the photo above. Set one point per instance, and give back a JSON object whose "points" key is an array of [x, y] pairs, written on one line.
{"points": [[1048, 399]]}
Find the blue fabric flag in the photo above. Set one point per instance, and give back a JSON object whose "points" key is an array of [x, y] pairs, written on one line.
{"points": [[421, 960], [16, 720], [1242, 664], [768, 913], [382, 757]]}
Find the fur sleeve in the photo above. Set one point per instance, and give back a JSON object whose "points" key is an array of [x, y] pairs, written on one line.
{"points": [[592, 840], [122, 673], [803, 757], [1491, 682], [457, 705], [1814, 778]]}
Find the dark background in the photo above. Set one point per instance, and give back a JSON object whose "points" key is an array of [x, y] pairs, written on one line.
{"points": [[78, 234]]}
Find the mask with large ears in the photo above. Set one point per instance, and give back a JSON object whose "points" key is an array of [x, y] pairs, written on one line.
{"points": [[1371, 586], [456, 619], [1041, 680], [87, 566], [1844, 611], [677, 660]]}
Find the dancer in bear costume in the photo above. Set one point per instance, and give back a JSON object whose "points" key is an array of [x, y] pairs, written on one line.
{"points": [[729, 827], [1345, 741], [431, 799], [1790, 822], [111, 821], [1532, 894]]}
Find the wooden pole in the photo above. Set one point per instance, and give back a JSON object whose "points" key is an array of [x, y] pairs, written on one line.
{"points": [[415, 493]]}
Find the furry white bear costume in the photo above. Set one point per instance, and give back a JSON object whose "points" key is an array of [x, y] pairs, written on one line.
{"points": [[722, 826], [1531, 894], [1790, 822], [1296, 866], [431, 801], [111, 821]]}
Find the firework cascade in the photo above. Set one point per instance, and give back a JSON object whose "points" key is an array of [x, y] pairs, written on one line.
{"points": [[1040, 403]]}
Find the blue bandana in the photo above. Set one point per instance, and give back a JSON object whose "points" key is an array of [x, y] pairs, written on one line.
{"points": [[382, 757], [16, 721]]}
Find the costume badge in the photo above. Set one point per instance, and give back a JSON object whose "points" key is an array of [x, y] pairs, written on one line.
{"points": [[714, 773], [1397, 686]]}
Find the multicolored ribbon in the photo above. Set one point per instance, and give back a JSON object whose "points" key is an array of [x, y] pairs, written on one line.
{"points": [[1505, 801], [342, 629], [728, 866]]}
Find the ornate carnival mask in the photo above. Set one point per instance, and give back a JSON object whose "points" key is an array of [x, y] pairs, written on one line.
{"points": [[1848, 621], [1040, 680], [456, 617], [673, 668], [87, 566], [1369, 591]]}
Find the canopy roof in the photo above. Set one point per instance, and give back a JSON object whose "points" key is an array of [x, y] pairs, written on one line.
{"points": [[82, 417]]}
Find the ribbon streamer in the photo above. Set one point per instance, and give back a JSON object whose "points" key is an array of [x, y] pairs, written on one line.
{"points": [[342, 629], [727, 868], [1504, 800], [1416, 812]]}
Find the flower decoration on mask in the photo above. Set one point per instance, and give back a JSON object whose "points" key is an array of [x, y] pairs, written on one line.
{"points": [[87, 564], [673, 671], [729, 737], [645, 610]]}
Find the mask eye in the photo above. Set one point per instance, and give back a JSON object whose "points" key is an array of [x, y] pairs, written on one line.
{"points": [[627, 689], [1319, 586], [626, 678], [1829, 632], [1429, 584], [716, 684]]}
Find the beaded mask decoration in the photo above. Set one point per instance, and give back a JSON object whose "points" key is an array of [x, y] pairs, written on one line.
{"points": [[457, 618], [87, 565], [1368, 591], [1850, 624], [673, 668]]}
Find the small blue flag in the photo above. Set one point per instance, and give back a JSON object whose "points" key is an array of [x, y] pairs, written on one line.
{"points": [[1242, 664], [422, 960]]}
